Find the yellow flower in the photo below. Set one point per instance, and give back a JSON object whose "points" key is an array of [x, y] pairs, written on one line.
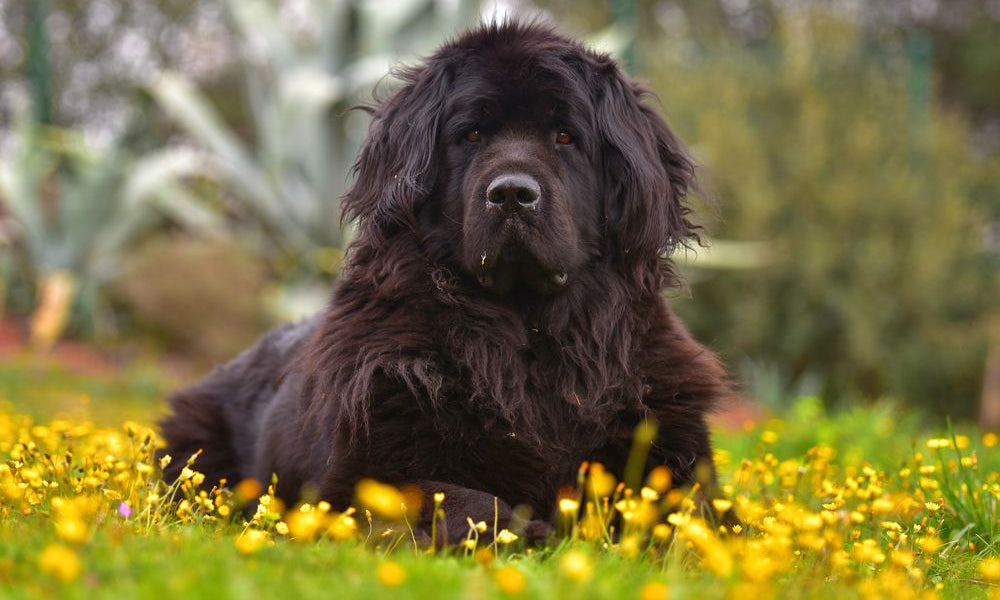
{"points": [[384, 500], [989, 568], [882, 506], [576, 566], [510, 580], [654, 590], [304, 524], [716, 555], [12, 491], [250, 541], [568, 506], [600, 483], [990, 440], [343, 527], [629, 546], [677, 519], [247, 490], [633, 511], [661, 531], [506, 537], [930, 544], [484, 556], [810, 522], [659, 479], [390, 574], [758, 567], [59, 561], [867, 551], [891, 526], [902, 558], [72, 529], [722, 505], [71, 517]]}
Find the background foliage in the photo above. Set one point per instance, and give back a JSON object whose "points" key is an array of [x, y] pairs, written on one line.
{"points": [[876, 279]]}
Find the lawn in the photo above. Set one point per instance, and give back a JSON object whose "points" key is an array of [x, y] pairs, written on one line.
{"points": [[874, 502]]}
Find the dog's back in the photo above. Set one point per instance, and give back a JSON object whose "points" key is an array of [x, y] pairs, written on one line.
{"points": [[219, 414]]}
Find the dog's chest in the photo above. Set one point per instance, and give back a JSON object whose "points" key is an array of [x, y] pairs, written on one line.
{"points": [[518, 364], [508, 464]]}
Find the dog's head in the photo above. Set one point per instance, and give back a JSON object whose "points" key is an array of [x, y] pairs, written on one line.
{"points": [[521, 158]]}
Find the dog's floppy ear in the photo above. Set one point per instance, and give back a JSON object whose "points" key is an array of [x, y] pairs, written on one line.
{"points": [[396, 167], [647, 173]]}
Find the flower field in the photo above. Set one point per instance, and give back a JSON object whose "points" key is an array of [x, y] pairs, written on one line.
{"points": [[869, 503]]}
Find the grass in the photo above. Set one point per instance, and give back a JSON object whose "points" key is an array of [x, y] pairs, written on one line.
{"points": [[858, 504], [43, 389]]}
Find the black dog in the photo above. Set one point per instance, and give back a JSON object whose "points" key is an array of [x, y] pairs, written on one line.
{"points": [[500, 317]]}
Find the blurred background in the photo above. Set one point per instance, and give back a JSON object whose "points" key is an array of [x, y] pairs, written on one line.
{"points": [[169, 176]]}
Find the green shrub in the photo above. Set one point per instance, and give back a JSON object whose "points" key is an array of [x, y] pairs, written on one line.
{"points": [[878, 281]]}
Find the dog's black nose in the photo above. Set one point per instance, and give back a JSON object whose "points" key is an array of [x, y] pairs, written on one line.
{"points": [[514, 192]]}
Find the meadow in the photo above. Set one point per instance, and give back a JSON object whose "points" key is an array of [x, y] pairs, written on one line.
{"points": [[872, 502]]}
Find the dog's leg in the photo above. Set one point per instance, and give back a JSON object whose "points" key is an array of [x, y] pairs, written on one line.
{"points": [[218, 416], [462, 504]]}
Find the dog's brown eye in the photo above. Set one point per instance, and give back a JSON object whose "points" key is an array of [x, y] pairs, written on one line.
{"points": [[473, 136], [564, 138]]}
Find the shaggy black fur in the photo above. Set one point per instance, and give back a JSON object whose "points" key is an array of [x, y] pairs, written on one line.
{"points": [[478, 347]]}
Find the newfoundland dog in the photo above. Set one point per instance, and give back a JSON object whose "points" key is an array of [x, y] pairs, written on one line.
{"points": [[500, 317]]}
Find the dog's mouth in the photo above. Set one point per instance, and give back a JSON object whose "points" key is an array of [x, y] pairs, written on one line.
{"points": [[519, 251], [514, 268]]}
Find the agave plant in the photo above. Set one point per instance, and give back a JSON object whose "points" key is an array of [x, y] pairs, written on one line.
{"points": [[303, 73], [72, 210]]}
